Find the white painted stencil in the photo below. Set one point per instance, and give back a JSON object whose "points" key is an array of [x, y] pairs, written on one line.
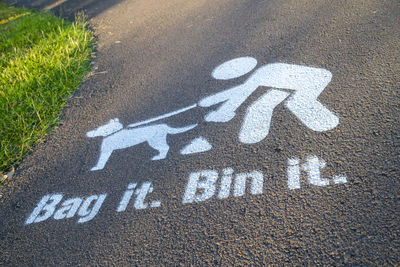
{"points": [[297, 87], [312, 167], [203, 185], [85, 208], [306, 84], [140, 195], [234, 68], [155, 135], [197, 145]]}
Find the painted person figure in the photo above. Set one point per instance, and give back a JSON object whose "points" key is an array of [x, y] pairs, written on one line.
{"points": [[301, 87]]}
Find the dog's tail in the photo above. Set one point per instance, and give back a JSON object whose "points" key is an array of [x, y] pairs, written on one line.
{"points": [[182, 130]]}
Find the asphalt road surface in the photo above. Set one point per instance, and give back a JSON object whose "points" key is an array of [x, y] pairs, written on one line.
{"points": [[297, 164]]}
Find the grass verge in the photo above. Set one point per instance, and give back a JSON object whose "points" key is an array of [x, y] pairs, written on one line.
{"points": [[43, 59]]}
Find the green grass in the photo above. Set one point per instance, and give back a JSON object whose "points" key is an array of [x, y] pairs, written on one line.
{"points": [[43, 59]]}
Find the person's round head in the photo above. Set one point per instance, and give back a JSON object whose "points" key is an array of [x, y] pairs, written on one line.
{"points": [[234, 68]]}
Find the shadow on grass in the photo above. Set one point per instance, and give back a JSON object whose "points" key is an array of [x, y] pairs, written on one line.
{"points": [[67, 8]]}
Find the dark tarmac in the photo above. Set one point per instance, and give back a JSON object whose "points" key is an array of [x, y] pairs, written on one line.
{"points": [[155, 57]]}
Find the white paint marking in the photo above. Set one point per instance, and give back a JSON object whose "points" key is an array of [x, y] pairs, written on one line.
{"points": [[44, 209], [293, 173], [307, 84], [170, 114], [88, 214], [258, 117], [207, 185], [256, 183], [231, 99], [197, 145], [155, 204], [226, 182], [202, 185], [313, 168], [111, 127], [234, 68], [154, 135], [68, 209], [340, 179], [126, 197], [141, 193]]}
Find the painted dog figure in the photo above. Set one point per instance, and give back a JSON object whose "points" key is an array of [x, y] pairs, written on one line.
{"points": [[115, 137]]}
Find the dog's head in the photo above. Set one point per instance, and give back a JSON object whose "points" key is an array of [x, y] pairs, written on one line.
{"points": [[111, 127]]}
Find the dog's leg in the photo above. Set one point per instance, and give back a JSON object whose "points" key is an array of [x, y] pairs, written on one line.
{"points": [[104, 156], [161, 145]]}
